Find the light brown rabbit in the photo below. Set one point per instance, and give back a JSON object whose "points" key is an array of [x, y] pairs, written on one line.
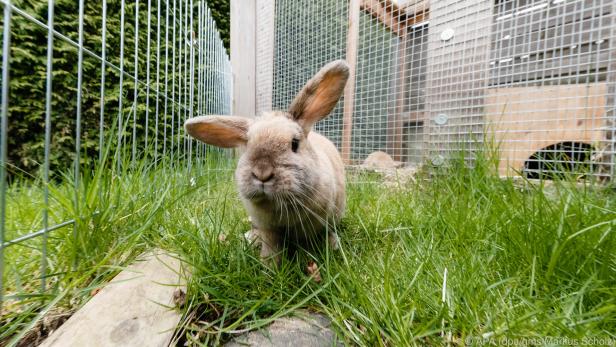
{"points": [[290, 178]]}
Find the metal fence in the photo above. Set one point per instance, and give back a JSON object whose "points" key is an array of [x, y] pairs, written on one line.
{"points": [[140, 69], [534, 79]]}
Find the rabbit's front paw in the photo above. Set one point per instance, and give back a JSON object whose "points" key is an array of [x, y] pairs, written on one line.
{"points": [[250, 236], [333, 240], [270, 246]]}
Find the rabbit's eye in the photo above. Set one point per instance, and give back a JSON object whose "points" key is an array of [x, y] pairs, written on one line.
{"points": [[294, 145]]}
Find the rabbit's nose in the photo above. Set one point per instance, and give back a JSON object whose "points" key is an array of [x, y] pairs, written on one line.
{"points": [[263, 175]]}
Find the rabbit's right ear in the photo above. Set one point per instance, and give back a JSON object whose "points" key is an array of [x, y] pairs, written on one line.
{"points": [[220, 131], [320, 95]]}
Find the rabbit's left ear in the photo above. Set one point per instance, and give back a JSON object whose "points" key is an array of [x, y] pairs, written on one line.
{"points": [[319, 96], [220, 131]]}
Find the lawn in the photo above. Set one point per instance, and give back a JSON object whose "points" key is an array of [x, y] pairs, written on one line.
{"points": [[456, 255]]}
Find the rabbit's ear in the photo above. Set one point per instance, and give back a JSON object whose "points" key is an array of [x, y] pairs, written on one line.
{"points": [[319, 96], [220, 131]]}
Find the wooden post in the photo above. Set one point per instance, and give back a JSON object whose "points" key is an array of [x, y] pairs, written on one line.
{"points": [[395, 128], [349, 91], [610, 134], [243, 57], [266, 31]]}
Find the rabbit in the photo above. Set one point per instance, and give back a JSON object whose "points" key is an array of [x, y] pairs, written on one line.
{"points": [[290, 179]]}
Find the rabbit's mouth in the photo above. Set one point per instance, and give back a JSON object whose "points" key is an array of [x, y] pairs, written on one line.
{"points": [[260, 192], [273, 189]]}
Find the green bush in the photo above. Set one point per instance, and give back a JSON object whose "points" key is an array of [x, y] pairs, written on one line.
{"points": [[26, 132]]}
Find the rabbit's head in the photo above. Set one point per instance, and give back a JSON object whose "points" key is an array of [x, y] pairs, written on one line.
{"points": [[277, 160]]}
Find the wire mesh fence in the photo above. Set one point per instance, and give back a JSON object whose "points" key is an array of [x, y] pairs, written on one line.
{"points": [[532, 79], [99, 83]]}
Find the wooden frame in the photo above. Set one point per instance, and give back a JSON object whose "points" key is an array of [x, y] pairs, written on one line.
{"points": [[243, 57], [349, 91], [264, 55], [397, 17]]}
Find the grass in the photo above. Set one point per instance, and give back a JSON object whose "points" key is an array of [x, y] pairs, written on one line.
{"points": [[462, 257]]}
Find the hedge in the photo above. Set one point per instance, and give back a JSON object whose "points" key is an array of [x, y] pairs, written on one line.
{"points": [[28, 83]]}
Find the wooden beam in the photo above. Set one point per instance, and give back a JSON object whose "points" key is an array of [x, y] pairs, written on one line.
{"points": [[414, 7], [609, 146], [349, 91], [396, 127], [136, 309], [265, 29], [243, 57], [383, 12], [395, 18]]}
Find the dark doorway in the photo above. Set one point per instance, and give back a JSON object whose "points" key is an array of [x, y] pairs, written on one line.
{"points": [[559, 160]]}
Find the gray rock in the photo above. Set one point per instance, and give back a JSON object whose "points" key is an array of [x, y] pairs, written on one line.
{"points": [[305, 330]]}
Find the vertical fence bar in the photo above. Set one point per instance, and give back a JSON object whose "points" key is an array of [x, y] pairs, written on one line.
{"points": [[101, 121], [78, 129], [136, 90], [191, 83], [181, 77], [157, 81], [173, 37], [181, 50], [207, 67], [121, 91], [203, 47], [198, 42], [147, 78], [184, 81], [610, 134], [183, 42], [6, 52], [48, 90], [166, 81], [200, 80]]}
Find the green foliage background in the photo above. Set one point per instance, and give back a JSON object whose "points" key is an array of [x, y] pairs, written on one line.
{"points": [[28, 69], [221, 12]]}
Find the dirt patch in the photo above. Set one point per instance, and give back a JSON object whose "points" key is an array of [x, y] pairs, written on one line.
{"points": [[43, 328]]}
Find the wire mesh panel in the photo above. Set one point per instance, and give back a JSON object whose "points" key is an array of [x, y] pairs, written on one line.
{"points": [[532, 80], [91, 86], [549, 66], [298, 53]]}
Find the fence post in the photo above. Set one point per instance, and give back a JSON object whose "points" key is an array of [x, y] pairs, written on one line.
{"points": [[264, 56], [349, 91], [243, 57], [395, 128], [610, 134], [6, 53]]}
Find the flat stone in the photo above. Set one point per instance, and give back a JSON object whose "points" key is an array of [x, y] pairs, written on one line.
{"points": [[135, 309], [305, 330]]}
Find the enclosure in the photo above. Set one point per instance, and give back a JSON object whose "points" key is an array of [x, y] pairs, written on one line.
{"points": [[465, 97], [535, 78]]}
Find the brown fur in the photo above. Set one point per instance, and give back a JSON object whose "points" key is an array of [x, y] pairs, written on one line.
{"points": [[289, 195]]}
